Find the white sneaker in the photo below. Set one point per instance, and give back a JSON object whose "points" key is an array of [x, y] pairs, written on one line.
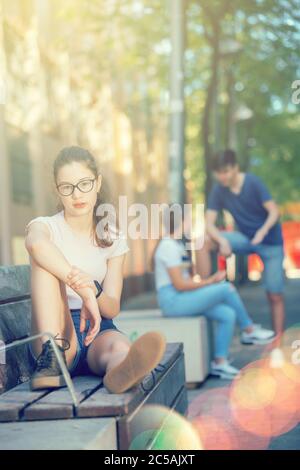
{"points": [[223, 370], [277, 358], [257, 336]]}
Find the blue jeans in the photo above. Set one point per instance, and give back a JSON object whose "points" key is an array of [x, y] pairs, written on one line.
{"points": [[220, 302], [80, 364], [271, 255]]}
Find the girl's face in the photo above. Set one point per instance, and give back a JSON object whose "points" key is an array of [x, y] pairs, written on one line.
{"points": [[77, 201]]}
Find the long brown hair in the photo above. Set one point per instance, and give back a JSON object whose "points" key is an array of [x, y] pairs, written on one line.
{"points": [[81, 155]]}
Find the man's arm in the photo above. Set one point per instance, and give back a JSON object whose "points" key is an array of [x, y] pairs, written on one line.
{"points": [[271, 220], [211, 228], [215, 234]]}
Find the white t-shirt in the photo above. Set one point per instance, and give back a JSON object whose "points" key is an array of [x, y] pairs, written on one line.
{"points": [[81, 252], [169, 253]]}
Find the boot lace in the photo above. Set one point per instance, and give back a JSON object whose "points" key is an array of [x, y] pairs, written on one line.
{"points": [[47, 359]]}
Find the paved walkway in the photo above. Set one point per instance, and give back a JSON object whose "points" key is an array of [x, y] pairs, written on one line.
{"points": [[254, 298]]}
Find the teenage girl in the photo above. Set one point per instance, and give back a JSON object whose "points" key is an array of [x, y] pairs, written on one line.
{"points": [[76, 285]]}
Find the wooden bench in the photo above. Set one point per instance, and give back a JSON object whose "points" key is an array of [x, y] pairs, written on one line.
{"points": [[48, 419]]}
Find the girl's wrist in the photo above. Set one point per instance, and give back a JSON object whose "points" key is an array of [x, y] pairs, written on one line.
{"points": [[86, 292]]}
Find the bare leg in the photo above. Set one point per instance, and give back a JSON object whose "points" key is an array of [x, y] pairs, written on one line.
{"points": [[277, 311], [203, 259], [107, 351], [125, 364], [50, 311]]}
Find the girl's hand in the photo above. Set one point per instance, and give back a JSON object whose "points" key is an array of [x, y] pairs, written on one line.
{"points": [[219, 276], [78, 279], [89, 311], [83, 285]]}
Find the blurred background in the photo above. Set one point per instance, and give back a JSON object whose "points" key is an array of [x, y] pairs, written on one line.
{"points": [[152, 88]]}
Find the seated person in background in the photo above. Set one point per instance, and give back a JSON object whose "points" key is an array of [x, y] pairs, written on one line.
{"points": [[179, 294]]}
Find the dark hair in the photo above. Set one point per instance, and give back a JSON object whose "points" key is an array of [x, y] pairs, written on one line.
{"points": [[72, 154], [224, 158], [172, 226]]}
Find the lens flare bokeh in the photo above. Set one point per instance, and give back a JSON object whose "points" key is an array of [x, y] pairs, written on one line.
{"points": [[261, 403], [265, 396], [211, 413], [160, 428]]}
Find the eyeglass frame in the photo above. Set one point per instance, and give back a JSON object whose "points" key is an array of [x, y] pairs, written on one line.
{"points": [[76, 186]]}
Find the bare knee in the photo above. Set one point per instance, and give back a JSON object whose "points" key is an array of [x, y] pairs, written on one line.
{"points": [[104, 351], [43, 282], [47, 286], [120, 346]]}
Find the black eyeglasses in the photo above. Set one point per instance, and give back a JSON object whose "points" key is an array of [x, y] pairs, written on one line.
{"points": [[85, 186]]}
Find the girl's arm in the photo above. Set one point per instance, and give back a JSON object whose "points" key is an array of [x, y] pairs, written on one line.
{"points": [[109, 299], [46, 254], [184, 284]]}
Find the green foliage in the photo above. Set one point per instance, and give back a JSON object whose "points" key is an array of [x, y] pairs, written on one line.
{"points": [[268, 33], [127, 43]]}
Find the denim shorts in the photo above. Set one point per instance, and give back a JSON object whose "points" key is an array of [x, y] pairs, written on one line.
{"points": [[80, 365], [271, 255]]}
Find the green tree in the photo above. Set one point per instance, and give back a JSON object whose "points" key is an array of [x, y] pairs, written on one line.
{"points": [[268, 34]]}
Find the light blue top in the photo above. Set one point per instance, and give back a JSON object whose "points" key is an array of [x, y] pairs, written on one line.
{"points": [[170, 253]]}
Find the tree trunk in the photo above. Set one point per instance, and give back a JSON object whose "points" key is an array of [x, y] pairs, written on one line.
{"points": [[206, 121]]}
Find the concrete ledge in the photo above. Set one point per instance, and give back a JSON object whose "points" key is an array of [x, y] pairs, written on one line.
{"points": [[83, 434], [193, 332]]}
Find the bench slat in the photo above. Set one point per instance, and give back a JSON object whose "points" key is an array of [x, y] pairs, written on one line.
{"points": [[14, 401], [102, 403], [94, 400], [58, 404]]}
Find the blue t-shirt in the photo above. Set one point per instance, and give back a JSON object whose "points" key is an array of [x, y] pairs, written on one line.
{"points": [[246, 207]]}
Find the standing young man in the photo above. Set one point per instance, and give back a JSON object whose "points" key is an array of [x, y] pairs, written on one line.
{"points": [[256, 216]]}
